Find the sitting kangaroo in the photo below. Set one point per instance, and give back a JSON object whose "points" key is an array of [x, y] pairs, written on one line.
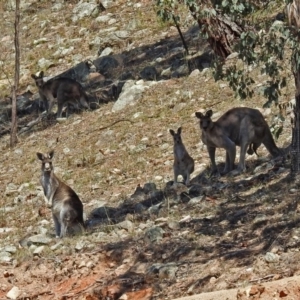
{"points": [[67, 209], [242, 126], [183, 162], [66, 90]]}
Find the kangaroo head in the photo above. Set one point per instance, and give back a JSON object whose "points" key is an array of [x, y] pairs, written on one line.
{"points": [[205, 120], [176, 136], [46, 160], [39, 81]]}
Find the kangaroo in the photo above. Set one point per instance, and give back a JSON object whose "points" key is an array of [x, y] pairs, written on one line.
{"points": [[183, 162], [241, 126], [66, 90], [67, 209]]}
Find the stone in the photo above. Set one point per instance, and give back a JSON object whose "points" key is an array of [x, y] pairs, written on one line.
{"points": [[84, 9], [271, 257], [106, 51], [5, 258], [195, 73], [128, 225], [195, 200], [80, 245], [39, 250], [44, 63], [14, 293], [174, 225], [154, 234], [103, 19], [39, 239], [10, 249], [168, 271], [131, 93]]}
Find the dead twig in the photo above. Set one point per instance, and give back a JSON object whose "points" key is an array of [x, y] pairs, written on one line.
{"points": [[263, 278], [112, 124], [30, 125]]}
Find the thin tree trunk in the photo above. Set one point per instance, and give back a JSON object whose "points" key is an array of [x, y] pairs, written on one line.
{"points": [[221, 31], [13, 134], [295, 150]]}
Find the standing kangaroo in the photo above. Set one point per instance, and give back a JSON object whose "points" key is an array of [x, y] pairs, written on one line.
{"points": [[241, 126], [67, 209], [183, 162], [66, 90]]}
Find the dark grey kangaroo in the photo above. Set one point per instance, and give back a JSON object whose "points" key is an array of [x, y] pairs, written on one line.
{"points": [[67, 209], [66, 90], [183, 162], [241, 126]]}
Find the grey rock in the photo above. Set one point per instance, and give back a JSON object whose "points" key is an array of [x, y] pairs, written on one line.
{"points": [[164, 271], [181, 71], [154, 209], [168, 271], [154, 234], [10, 249], [195, 73], [103, 19], [195, 200], [5, 258], [84, 9], [56, 246], [139, 208], [11, 188], [166, 73], [14, 293], [57, 7], [108, 3], [39, 239], [174, 225], [180, 106], [232, 55], [271, 257], [149, 187], [106, 51], [131, 93], [44, 63], [260, 218], [6, 229], [149, 73], [7, 209], [39, 250], [80, 245], [128, 225]]}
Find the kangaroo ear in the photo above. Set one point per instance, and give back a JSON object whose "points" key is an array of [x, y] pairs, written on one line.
{"points": [[51, 154], [172, 132], [40, 156], [199, 115], [41, 74], [33, 76], [209, 113], [179, 130]]}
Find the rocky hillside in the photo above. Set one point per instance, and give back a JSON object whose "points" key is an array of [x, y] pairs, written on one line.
{"points": [[146, 238]]}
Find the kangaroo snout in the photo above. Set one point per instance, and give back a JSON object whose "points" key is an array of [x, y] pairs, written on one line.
{"points": [[47, 167]]}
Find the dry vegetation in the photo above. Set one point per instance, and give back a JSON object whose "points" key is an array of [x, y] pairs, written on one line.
{"points": [[132, 153]]}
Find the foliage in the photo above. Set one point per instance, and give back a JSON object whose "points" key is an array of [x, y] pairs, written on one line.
{"points": [[264, 44]]}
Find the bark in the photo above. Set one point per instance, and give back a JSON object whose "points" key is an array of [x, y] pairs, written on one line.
{"points": [[295, 149], [221, 31], [13, 134], [293, 14]]}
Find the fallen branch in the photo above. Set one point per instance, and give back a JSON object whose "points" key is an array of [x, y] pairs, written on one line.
{"points": [[263, 278], [30, 125]]}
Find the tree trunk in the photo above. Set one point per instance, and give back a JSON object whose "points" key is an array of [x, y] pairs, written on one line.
{"points": [[295, 149], [221, 31], [13, 134]]}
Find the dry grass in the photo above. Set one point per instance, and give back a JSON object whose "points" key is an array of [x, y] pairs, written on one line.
{"points": [[107, 165]]}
